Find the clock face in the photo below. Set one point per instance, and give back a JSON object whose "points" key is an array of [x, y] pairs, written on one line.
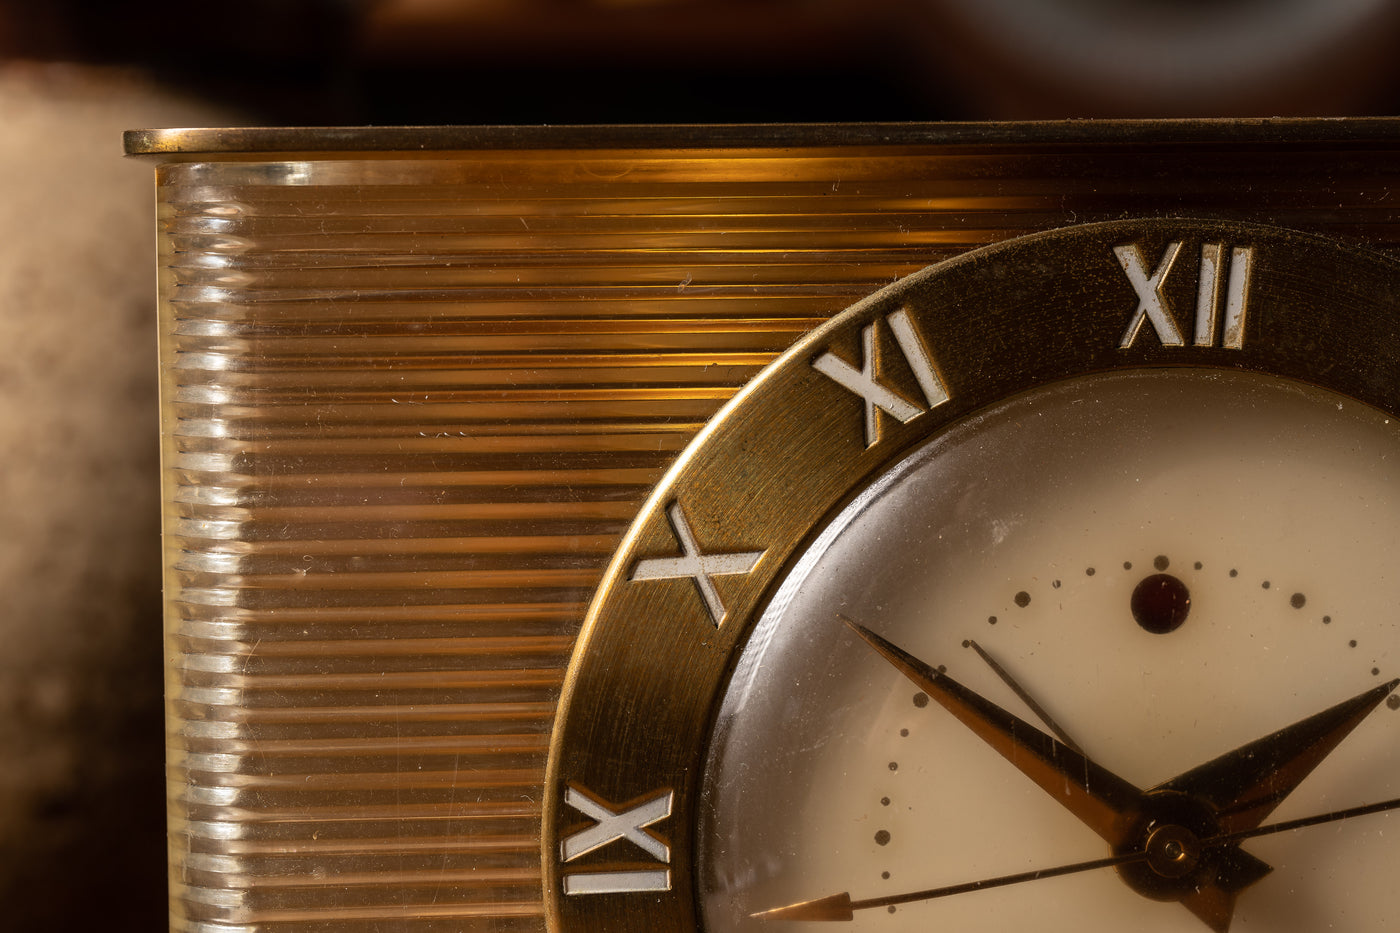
{"points": [[1048, 588], [1172, 564]]}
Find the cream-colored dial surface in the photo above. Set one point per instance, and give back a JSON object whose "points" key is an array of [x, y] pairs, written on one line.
{"points": [[1027, 529]]}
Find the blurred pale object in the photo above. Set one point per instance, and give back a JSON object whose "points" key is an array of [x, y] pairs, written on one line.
{"points": [[80, 802], [963, 58], [1169, 57]]}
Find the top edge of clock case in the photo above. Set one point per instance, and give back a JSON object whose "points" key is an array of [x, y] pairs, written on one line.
{"points": [[344, 142]]}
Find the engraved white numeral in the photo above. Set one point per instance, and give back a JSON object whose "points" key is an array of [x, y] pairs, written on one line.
{"points": [[1236, 298], [1208, 293], [1152, 303], [1220, 279], [617, 882], [615, 825], [865, 383], [696, 564]]}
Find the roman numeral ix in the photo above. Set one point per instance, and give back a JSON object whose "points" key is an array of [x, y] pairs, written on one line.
{"points": [[614, 825]]}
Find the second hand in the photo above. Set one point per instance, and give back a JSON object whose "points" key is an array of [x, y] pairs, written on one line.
{"points": [[841, 907]]}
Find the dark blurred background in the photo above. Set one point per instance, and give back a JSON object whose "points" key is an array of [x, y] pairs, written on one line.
{"points": [[593, 61], [81, 782]]}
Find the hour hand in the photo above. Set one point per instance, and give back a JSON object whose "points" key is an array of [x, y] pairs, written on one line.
{"points": [[1121, 814], [1104, 802]]}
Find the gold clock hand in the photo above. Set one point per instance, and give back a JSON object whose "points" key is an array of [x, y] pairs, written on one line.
{"points": [[1242, 788], [1104, 802], [1245, 785], [1024, 696], [1303, 822], [1109, 805], [842, 907]]}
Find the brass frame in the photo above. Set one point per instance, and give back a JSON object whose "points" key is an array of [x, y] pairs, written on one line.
{"points": [[789, 452]]}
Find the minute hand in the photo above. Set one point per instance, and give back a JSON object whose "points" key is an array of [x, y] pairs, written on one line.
{"points": [[1245, 785], [1102, 800]]}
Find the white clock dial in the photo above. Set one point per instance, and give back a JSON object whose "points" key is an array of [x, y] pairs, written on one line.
{"points": [[1272, 507]]}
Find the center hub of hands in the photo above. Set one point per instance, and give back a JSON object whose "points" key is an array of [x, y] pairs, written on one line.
{"points": [[1173, 851], [1170, 833]]}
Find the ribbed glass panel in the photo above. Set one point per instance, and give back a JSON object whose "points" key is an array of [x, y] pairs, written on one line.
{"points": [[411, 403]]}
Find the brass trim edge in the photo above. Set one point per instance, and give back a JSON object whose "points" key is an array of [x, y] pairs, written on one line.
{"points": [[348, 140]]}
